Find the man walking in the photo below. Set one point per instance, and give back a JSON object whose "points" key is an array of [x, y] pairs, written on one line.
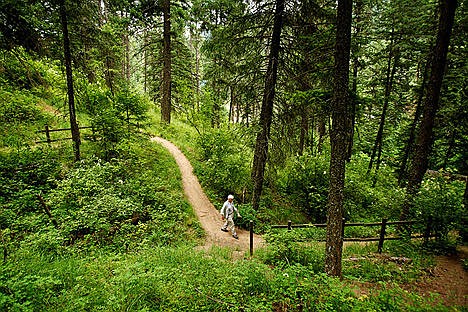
{"points": [[227, 214]]}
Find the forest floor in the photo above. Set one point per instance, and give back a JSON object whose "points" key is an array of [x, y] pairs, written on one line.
{"points": [[447, 278]]}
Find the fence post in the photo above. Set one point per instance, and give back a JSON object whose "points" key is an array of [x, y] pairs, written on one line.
{"points": [[289, 225], [251, 237], [343, 222], [382, 235], [427, 231], [47, 133]]}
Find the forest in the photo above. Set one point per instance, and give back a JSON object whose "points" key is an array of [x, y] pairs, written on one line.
{"points": [[309, 112]]}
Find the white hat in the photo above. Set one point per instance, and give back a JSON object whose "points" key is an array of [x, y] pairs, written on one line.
{"points": [[230, 197]]}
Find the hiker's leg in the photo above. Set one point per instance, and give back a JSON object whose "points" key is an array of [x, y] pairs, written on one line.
{"points": [[225, 226], [232, 227]]}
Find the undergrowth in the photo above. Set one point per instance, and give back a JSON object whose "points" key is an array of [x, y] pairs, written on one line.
{"points": [[179, 279]]}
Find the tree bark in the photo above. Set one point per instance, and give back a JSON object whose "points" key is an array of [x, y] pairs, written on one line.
{"points": [[356, 65], [166, 86], [145, 61], [75, 131], [304, 129], [388, 90], [338, 139], [377, 149], [402, 172], [425, 138], [266, 114], [321, 129]]}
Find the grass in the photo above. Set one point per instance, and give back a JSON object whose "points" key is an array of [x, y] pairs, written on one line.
{"points": [[180, 279]]}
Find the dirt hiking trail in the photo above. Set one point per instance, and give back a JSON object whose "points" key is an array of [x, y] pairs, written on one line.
{"points": [[207, 214]]}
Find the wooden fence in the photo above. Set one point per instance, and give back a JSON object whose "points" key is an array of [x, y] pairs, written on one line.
{"points": [[48, 131], [382, 237]]}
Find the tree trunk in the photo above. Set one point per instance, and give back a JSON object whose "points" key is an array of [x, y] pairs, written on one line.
{"points": [[377, 149], [321, 131], [166, 86], [424, 141], [402, 174], [215, 110], [75, 131], [338, 139], [464, 222], [387, 99], [231, 105], [356, 64], [145, 61], [451, 146], [126, 57], [127, 54], [304, 129], [266, 115]]}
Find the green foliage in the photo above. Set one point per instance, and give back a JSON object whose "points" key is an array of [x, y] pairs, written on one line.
{"points": [[20, 70], [109, 130], [225, 162], [20, 113], [441, 200], [24, 176], [131, 106], [93, 98], [123, 204], [287, 248], [364, 264], [305, 178], [366, 201], [115, 203], [19, 107], [180, 279]]}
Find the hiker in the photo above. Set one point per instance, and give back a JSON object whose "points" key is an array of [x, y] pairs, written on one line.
{"points": [[227, 213]]}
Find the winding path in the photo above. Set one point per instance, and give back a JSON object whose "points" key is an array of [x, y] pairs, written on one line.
{"points": [[207, 214]]}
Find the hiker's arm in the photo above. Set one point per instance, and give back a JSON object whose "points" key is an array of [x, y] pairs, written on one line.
{"points": [[221, 212], [237, 211]]}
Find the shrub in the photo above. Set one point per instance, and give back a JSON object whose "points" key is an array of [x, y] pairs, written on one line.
{"points": [[225, 162], [19, 106], [441, 199], [287, 248], [24, 176], [363, 199], [305, 178]]}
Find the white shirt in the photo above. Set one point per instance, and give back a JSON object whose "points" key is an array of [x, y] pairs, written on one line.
{"points": [[228, 209]]}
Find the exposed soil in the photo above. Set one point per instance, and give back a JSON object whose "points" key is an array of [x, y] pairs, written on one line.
{"points": [[448, 279], [207, 213]]}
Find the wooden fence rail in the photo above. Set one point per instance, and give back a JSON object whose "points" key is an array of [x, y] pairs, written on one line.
{"points": [[47, 131], [382, 237]]}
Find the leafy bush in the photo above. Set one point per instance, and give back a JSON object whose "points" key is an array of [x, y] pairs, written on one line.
{"points": [[441, 200], [225, 163], [109, 132], [19, 106], [21, 70], [93, 98], [24, 176], [290, 247], [305, 178], [363, 199], [179, 279], [108, 204], [131, 106]]}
